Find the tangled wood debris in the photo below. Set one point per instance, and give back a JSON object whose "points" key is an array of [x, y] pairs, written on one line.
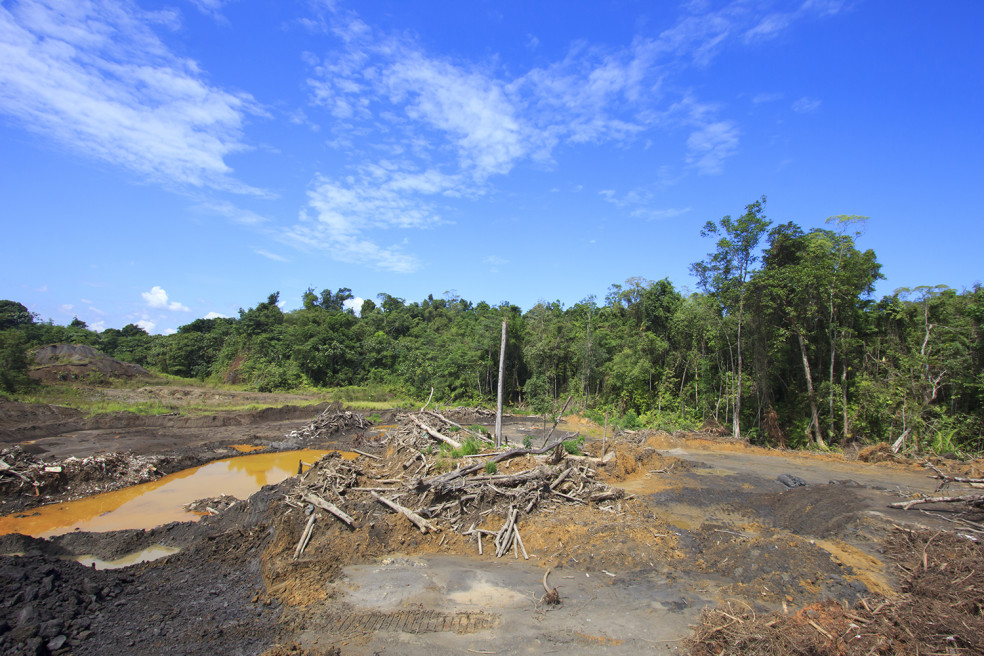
{"points": [[413, 479], [331, 421], [25, 473], [974, 501]]}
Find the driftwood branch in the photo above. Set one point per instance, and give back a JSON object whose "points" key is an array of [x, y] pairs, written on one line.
{"points": [[327, 505], [305, 537], [435, 434], [974, 499], [414, 518], [441, 417]]}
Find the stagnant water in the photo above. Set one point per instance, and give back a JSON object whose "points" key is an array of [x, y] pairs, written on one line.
{"points": [[151, 504]]}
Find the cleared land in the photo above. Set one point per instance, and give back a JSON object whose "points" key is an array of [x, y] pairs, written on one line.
{"points": [[700, 532]]}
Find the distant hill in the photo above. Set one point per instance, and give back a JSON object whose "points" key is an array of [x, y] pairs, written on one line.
{"points": [[78, 362]]}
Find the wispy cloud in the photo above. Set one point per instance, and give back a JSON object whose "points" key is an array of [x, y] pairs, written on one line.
{"points": [[270, 256], [215, 315], [95, 77], [157, 298], [147, 325], [806, 105], [441, 127], [708, 147]]}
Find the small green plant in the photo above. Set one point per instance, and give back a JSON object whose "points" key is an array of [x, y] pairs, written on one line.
{"points": [[453, 429], [491, 468], [374, 417], [573, 447], [528, 442], [942, 442], [442, 465], [470, 447], [478, 428]]}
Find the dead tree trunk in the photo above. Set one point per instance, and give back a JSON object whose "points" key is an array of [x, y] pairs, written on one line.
{"points": [[502, 377]]}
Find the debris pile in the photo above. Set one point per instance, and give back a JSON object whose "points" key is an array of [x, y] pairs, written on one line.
{"points": [[332, 420], [25, 473], [972, 519], [475, 499], [938, 612], [212, 505]]}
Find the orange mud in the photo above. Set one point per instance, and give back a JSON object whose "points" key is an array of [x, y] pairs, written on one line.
{"points": [[159, 502], [247, 448]]}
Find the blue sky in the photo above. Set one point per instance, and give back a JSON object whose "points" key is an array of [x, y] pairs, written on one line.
{"points": [[163, 161]]}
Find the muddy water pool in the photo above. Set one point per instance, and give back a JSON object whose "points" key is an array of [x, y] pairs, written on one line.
{"points": [[159, 502]]}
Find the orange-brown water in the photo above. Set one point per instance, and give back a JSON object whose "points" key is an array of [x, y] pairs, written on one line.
{"points": [[159, 502]]}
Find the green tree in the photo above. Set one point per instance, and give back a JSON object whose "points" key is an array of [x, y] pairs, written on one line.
{"points": [[724, 275]]}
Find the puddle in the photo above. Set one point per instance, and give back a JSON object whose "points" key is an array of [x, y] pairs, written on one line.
{"points": [[143, 556], [151, 504]]}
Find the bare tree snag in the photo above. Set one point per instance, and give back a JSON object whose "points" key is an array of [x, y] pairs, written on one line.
{"points": [[557, 421], [428, 399], [502, 377]]}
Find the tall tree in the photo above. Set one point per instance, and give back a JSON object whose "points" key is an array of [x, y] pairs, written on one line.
{"points": [[724, 274]]}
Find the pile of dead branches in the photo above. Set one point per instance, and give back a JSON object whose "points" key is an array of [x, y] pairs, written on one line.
{"points": [[412, 479], [25, 473], [332, 420], [972, 519]]}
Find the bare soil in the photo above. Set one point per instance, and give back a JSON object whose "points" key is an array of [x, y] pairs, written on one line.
{"points": [[708, 527]]}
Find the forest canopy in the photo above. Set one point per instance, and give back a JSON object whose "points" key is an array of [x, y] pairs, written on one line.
{"points": [[783, 342]]}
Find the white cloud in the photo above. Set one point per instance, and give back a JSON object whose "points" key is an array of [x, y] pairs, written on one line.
{"points": [[232, 212], [708, 147], [147, 325], [66, 307], [157, 298], [170, 331], [354, 304], [215, 315], [438, 128], [270, 256], [806, 105], [98, 326], [95, 77]]}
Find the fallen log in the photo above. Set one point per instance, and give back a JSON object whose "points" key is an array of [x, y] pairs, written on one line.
{"points": [[433, 433], [327, 505], [414, 518], [973, 499], [443, 479], [459, 426]]}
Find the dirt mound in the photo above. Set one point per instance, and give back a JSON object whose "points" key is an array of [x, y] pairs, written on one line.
{"points": [[821, 511], [60, 362]]}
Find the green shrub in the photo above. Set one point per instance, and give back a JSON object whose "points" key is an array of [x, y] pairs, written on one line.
{"points": [[491, 468], [528, 442], [374, 417], [573, 447]]}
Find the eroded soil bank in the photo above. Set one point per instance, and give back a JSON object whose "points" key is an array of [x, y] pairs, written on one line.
{"points": [[706, 523]]}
